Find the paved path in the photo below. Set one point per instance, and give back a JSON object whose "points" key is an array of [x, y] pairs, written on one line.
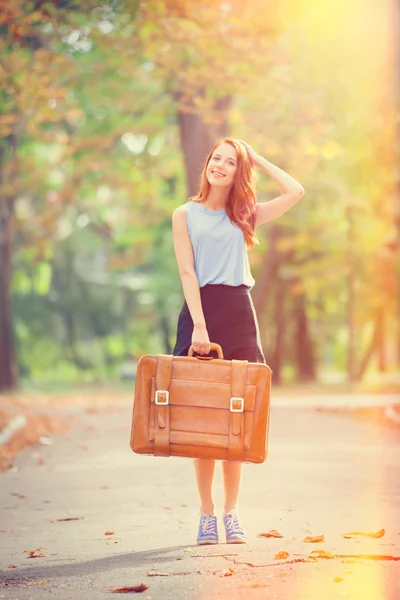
{"points": [[327, 473]]}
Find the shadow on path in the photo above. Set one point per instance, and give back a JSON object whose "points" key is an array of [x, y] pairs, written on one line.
{"points": [[108, 563]]}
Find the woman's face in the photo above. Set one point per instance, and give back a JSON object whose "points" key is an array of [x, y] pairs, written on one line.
{"points": [[222, 167]]}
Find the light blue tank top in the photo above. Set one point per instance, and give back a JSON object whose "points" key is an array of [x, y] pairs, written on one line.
{"points": [[219, 247]]}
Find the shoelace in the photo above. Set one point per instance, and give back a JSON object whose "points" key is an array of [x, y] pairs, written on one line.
{"points": [[233, 524], [208, 524]]}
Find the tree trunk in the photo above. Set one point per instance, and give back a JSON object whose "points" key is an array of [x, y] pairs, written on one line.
{"points": [[372, 346], [273, 259], [382, 361], [197, 137], [266, 279], [305, 359], [351, 294], [279, 318], [165, 330], [8, 363]]}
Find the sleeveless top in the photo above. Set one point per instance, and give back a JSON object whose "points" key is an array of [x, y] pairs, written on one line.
{"points": [[219, 247]]}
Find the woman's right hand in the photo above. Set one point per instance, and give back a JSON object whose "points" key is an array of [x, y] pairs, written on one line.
{"points": [[200, 340]]}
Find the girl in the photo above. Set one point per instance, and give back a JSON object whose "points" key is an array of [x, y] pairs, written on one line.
{"points": [[211, 235]]}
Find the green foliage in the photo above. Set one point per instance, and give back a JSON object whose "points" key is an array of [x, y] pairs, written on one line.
{"points": [[90, 94]]}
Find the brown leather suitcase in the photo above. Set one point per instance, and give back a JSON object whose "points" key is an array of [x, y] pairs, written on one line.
{"points": [[201, 407]]}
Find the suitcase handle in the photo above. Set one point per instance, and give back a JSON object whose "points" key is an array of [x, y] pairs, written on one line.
{"points": [[213, 346]]}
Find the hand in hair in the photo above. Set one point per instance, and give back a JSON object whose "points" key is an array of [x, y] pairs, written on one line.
{"points": [[252, 154]]}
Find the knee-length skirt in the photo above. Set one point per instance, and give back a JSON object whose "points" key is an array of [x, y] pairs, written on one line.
{"points": [[231, 322]]}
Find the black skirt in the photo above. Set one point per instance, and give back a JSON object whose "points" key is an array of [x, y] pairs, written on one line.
{"points": [[231, 322]]}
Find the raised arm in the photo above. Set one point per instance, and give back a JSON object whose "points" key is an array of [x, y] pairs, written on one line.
{"points": [[293, 191], [184, 257]]}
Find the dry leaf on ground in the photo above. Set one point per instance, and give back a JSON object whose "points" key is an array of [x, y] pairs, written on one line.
{"points": [[109, 532], [35, 554], [354, 534], [314, 538], [71, 519], [11, 566], [228, 572], [337, 579], [321, 554], [131, 589], [18, 495], [271, 533], [282, 554]]}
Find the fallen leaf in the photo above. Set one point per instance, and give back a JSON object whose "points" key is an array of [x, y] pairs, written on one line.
{"points": [[11, 566], [42, 581], [228, 572], [71, 519], [281, 574], [272, 533], [282, 554], [338, 579], [321, 554], [131, 589], [40, 548], [36, 554], [188, 549], [109, 532], [18, 495], [314, 538], [354, 534]]}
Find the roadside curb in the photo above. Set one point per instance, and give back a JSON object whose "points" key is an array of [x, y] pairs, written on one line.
{"points": [[28, 429]]}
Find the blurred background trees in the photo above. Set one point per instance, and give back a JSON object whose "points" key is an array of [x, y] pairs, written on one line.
{"points": [[107, 112]]}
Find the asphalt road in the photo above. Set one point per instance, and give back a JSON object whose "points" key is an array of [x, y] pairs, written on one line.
{"points": [[326, 474]]}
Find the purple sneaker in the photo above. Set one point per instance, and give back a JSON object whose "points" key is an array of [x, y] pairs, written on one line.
{"points": [[208, 533], [235, 533]]}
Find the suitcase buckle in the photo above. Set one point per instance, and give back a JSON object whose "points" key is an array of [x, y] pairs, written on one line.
{"points": [[234, 402], [163, 402]]}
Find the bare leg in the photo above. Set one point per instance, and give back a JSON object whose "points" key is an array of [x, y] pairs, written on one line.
{"points": [[205, 475], [232, 472]]}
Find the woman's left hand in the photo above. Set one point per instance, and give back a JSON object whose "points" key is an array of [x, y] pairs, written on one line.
{"points": [[254, 157]]}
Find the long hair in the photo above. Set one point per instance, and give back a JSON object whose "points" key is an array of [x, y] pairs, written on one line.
{"points": [[241, 203]]}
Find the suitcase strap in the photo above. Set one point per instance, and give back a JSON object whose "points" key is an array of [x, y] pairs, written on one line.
{"points": [[236, 421], [236, 408], [162, 414]]}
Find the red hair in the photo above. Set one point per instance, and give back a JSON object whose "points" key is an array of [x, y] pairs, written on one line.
{"points": [[241, 203]]}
